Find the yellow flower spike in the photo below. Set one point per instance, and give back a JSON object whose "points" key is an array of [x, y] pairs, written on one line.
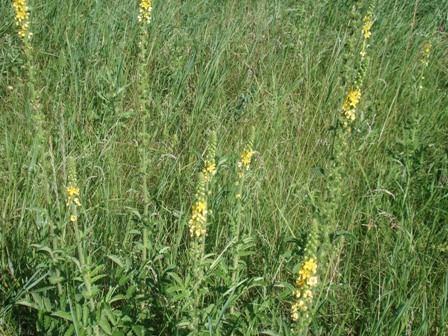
{"points": [[303, 295], [22, 18], [198, 220], [246, 155], [145, 11], [367, 26], [349, 107], [72, 190], [426, 53]]}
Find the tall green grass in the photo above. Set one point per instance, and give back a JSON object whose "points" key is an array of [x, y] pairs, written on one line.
{"points": [[278, 66]]}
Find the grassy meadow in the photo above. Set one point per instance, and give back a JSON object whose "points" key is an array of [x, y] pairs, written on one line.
{"points": [[252, 167]]}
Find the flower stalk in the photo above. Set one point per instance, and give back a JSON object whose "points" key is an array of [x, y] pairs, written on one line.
{"points": [[144, 19], [73, 203], [243, 166], [306, 282], [198, 231]]}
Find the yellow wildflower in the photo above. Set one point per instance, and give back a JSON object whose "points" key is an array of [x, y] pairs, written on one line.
{"points": [[198, 219], [22, 18], [350, 104], [246, 155], [305, 281], [312, 281], [367, 26], [72, 191], [246, 158], [145, 11], [209, 170], [352, 98], [426, 53]]}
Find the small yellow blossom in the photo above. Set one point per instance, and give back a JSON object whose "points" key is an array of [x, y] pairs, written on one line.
{"points": [[308, 294], [312, 281], [73, 218], [209, 170], [72, 191], [246, 157]]}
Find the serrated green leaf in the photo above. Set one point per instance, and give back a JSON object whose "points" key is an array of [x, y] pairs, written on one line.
{"points": [[104, 324], [138, 330], [27, 303], [98, 277], [116, 259], [62, 314], [55, 279], [131, 291], [118, 297], [70, 331]]}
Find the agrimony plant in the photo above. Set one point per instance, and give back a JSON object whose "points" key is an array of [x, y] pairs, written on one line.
{"points": [[306, 282]]}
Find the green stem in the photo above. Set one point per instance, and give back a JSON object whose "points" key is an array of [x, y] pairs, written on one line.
{"points": [[236, 257], [236, 234]]}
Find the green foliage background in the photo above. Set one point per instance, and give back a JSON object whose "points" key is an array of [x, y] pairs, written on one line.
{"points": [[280, 66]]}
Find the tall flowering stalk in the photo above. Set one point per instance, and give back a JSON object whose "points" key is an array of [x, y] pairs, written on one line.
{"points": [[22, 19], [198, 221], [336, 172], [144, 19], [243, 166], [36, 115], [353, 96], [73, 203], [425, 55], [345, 122], [306, 282], [198, 231]]}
